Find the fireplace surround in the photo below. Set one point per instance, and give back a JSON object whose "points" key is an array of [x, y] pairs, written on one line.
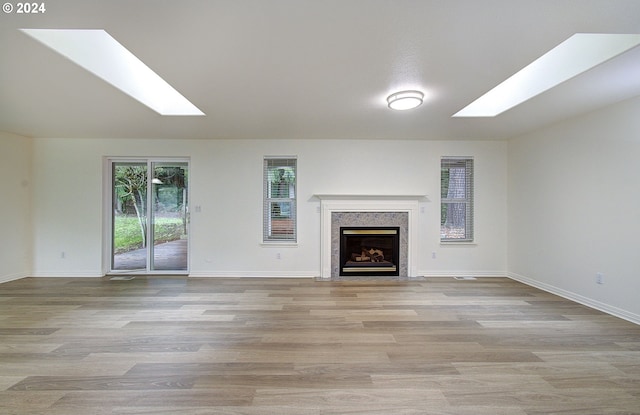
{"points": [[369, 211]]}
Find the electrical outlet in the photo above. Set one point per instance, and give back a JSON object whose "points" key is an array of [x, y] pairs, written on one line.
{"points": [[599, 278], [433, 255], [278, 256], [62, 255]]}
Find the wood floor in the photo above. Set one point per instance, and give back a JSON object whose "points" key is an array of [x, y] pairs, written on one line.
{"points": [[305, 347]]}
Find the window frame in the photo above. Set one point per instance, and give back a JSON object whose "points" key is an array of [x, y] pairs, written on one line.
{"points": [[467, 199], [290, 201]]}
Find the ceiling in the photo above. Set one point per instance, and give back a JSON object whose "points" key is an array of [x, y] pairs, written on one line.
{"points": [[310, 69]]}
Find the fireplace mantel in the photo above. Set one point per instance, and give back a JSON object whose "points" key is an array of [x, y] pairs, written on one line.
{"points": [[369, 197], [330, 203]]}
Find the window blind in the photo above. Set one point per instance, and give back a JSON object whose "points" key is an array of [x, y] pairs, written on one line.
{"points": [[279, 209], [456, 199]]}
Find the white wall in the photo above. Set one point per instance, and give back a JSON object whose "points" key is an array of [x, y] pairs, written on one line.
{"points": [[574, 209], [226, 183], [15, 206]]}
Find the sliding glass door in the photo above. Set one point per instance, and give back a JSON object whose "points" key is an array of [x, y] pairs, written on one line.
{"points": [[149, 219]]}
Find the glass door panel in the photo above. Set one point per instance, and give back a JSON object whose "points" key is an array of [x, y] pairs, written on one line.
{"points": [[129, 216], [169, 216]]}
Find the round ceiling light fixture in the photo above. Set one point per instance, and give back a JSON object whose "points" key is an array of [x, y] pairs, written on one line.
{"points": [[405, 100]]}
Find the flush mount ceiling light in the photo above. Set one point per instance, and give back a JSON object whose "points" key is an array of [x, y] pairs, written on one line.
{"points": [[577, 54], [405, 100], [99, 53]]}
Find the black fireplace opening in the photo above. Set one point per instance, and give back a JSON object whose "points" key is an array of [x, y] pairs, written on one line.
{"points": [[370, 251]]}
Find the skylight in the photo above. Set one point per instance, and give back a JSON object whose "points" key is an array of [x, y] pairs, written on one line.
{"points": [[102, 55], [577, 54]]}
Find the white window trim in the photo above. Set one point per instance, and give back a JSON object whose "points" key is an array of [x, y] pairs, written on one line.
{"points": [[469, 200], [266, 214]]}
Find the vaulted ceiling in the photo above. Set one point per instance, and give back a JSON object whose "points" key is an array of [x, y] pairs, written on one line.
{"points": [[301, 69]]}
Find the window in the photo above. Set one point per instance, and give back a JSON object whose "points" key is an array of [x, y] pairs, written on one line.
{"points": [[279, 211], [456, 199]]}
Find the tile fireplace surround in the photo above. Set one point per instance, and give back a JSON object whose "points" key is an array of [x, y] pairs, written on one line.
{"points": [[368, 210]]}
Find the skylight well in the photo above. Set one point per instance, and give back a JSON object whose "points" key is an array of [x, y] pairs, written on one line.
{"points": [[572, 57], [99, 53]]}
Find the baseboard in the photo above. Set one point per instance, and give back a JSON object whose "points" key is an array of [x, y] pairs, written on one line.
{"points": [[252, 274], [465, 273], [74, 274], [12, 277], [597, 305]]}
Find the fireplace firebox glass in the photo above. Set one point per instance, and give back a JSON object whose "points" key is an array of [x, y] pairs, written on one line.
{"points": [[369, 251]]}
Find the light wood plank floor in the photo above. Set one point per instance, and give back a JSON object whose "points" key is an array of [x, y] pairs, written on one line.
{"points": [[299, 346]]}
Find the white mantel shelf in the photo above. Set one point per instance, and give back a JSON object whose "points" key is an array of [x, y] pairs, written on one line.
{"points": [[369, 197]]}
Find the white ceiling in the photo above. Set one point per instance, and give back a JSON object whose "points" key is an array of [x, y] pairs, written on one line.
{"points": [[301, 69]]}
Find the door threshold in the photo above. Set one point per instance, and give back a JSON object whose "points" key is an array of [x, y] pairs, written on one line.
{"points": [[131, 275]]}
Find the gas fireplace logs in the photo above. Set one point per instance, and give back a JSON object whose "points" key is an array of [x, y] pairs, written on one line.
{"points": [[368, 255]]}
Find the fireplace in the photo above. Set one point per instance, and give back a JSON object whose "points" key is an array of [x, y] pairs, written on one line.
{"points": [[370, 251], [369, 211]]}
